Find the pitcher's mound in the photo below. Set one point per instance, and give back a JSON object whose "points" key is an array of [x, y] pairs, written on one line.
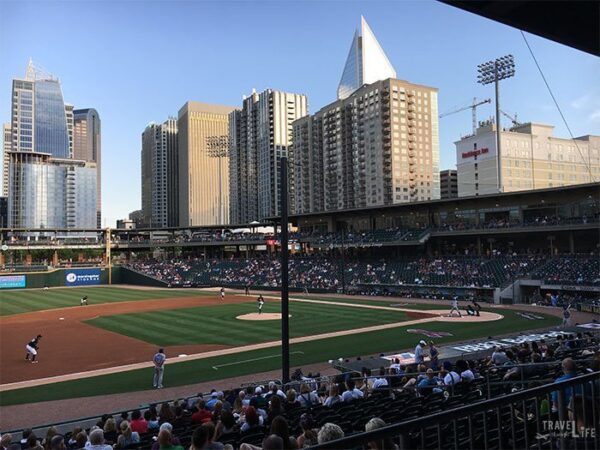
{"points": [[263, 316]]}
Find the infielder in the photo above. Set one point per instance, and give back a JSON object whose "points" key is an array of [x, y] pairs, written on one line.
{"points": [[32, 348], [455, 307], [83, 300], [261, 302], [222, 293], [159, 368]]}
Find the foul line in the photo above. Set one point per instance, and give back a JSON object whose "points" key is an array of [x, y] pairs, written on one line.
{"points": [[253, 359]]}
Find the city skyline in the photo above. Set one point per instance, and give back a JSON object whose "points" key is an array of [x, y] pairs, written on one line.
{"points": [[114, 76]]}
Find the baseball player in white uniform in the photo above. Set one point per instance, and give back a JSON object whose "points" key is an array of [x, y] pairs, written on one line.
{"points": [[261, 302], [159, 368], [222, 293], [455, 307]]}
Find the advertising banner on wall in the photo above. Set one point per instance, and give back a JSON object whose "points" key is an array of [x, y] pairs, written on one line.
{"points": [[12, 281], [82, 277]]}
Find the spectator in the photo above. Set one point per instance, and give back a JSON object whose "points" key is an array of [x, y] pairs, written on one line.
{"points": [[226, 425], [381, 444], [275, 408], [351, 393], [210, 404], [279, 427], [307, 398], [97, 440], [309, 433], [138, 423], [382, 381], [152, 420], [434, 354], [166, 414], [569, 371], [292, 401], [450, 376], [79, 439], [498, 357], [50, 433], [419, 353], [334, 398], [34, 444], [124, 416], [174, 439], [5, 441], [329, 432], [165, 441], [202, 415], [251, 420], [428, 385], [127, 437], [110, 431], [24, 435], [211, 443], [57, 442]]}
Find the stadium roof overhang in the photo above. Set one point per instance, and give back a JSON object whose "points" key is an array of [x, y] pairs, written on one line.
{"points": [[572, 23]]}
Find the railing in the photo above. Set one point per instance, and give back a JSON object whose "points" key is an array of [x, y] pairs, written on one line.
{"points": [[561, 415]]}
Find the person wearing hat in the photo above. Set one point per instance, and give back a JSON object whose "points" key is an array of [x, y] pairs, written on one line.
{"points": [[210, 404], [419, 352]]}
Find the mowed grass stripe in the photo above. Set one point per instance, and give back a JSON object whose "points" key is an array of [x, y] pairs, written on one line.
{"points": [[318, 351], [28, 300], [218, 324]]}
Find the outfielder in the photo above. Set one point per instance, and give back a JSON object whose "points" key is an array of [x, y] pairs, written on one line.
{"points": [[261, 302], [32, 348], [83, 300], [222, 293], [455, 307]]}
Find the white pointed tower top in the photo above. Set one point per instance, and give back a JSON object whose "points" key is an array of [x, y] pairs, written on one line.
{"points": [[366, 62]]}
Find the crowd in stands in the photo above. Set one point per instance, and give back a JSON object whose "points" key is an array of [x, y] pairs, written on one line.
{"points": [[312, 410], [321, 272], [570, 270]]}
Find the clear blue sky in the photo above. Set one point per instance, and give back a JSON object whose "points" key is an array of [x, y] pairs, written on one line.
{"points": [[139, 61]]}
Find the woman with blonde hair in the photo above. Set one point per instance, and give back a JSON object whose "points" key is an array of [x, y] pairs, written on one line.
{"points": [[110, 431], [127, 436], [52, 431]]}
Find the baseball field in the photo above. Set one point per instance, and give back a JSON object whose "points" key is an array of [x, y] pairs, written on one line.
{"points": [[106, 346]]}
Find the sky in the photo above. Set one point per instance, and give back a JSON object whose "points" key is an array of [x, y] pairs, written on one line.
{"points": [[139, 61]]}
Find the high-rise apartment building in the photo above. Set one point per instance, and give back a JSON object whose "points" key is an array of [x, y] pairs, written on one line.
{"points": [[159, 174], [203, 134], [531, 158], [87, 146], [259, 135], [379, 146], [366, 62], [47, 188], [6, 142], [448, 184]]}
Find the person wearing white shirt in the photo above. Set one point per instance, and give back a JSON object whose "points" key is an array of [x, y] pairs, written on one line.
{"points": [[351, 393], [381, 381], [419, 354]]}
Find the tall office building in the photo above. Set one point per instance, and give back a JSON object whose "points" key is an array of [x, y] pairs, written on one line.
{"points": [[203, 131], [366, 62], [6, 141], [379, 146], [448, 184], [531, 158], [87, 147], [259, 135], [159, 174], [46, 187]]}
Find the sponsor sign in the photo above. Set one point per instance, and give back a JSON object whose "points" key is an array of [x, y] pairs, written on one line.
{"points": [[477, 152], [82, 277], [12, 281], [428, 333], [472, 348]]}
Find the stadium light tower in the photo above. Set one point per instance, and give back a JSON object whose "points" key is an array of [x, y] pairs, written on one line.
{"points": [[493, 72]]}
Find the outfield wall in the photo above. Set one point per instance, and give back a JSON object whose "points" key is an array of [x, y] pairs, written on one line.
{"points": [[84, 276]]}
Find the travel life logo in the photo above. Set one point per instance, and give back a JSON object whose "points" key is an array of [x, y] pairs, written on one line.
{"points": [[564, 429]]}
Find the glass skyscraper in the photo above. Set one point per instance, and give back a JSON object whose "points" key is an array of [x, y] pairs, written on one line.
{"points": [[47, 188]]}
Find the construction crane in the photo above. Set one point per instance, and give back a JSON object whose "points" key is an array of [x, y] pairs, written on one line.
{"points": [[473, 108], [514, 120]]}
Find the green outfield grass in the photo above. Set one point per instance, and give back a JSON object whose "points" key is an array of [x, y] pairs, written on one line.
{"points": [[28, 300], [218, 324], [248, 363]]}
